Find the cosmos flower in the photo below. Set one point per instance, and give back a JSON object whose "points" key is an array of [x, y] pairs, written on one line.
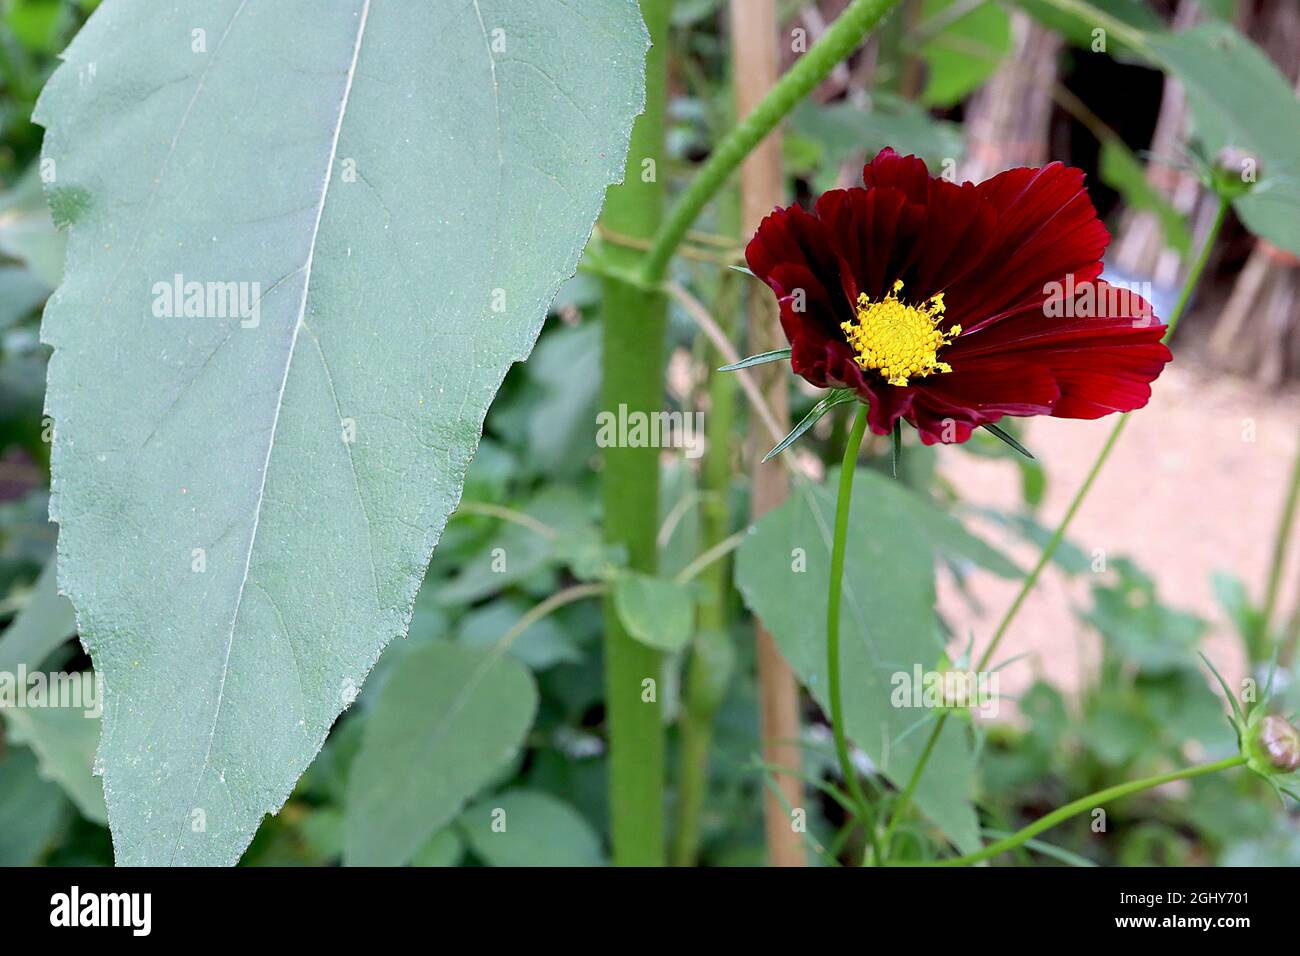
{"points": [[950, 306]]}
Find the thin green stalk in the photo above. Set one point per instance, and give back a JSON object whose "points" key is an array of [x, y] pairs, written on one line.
{"points": [[1281, 539], [1193, 277], [835, 592], [1081, 805], [632, 376], [705, 678], [800, 80], [711, 560], [553, 603]]}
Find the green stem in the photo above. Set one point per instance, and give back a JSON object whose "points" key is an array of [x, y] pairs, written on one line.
{"points": [[705, 678], [800, 80], [712, 559], [1081, 805], [835, 591], [553, 603], [1280, 541], [1193, 277], [632, 376]]}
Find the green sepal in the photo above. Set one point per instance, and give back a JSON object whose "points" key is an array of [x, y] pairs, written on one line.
{"points": [[763, 358], [837, 397], [1009, 439]]}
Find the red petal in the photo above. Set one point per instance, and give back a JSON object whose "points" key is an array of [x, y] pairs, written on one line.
{"points": [[948, 405], [907, 174], [876, 231], [1101, 364], [1046, 228]]}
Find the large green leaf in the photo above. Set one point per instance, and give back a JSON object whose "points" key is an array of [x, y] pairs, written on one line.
{"points": [[247, 504], [446, 721], [887, 624]]}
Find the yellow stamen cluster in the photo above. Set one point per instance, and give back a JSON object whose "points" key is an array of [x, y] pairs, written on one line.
{"points": [[899, 341]]}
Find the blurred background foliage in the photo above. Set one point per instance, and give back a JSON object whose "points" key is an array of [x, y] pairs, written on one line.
{"points": [[981, 85]]}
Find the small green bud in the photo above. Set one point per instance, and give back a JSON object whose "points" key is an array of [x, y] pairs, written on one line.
{"points": [[1277, 744], [1234, 173]]}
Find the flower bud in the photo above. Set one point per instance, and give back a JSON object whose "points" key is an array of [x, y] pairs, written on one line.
{"points": [[1234, 173], [1279, 742]]}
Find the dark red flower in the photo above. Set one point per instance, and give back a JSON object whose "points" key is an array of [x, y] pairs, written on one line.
{"points": [[951, 306]]}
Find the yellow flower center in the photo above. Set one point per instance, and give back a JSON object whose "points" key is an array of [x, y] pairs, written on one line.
{"points": [[899, 341]]}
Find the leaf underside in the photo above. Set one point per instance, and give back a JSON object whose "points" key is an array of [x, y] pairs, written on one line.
{"points": [[247, 504]]}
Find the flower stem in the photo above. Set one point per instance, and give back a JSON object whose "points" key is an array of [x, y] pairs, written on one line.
{"points": [[1280, 541], [835, 590], [1193, 277], [632, 376], [800, 80], [1081, 805]]}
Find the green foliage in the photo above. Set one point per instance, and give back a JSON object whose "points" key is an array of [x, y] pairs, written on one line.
{"points": [[462, 748], [308, 517], [655, 611], [444, 725], [528, 828], [966, 51], [1121, 171], [888, 624], [828, 135], [1238, 98]]}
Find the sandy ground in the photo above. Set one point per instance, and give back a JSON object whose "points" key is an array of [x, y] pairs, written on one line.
{"points": [[1195, 485]]}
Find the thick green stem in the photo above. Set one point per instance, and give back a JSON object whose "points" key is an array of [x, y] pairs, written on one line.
{"points": [[835, 590], [800, 80], [633, 365], [1193, 277], [1081, 805]]}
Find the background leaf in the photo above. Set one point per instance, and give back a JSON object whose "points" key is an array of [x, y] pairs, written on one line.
{"points": [[1238, 98], [31, 809], [966, 52], [655, 611], [1121, 170], [27, 232], [887, 626], [45, 622], [447, 720], [539, 830], [386, 178]]}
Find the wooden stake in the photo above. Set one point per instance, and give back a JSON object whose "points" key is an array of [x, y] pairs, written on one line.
{"points": [[762, 186]]}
